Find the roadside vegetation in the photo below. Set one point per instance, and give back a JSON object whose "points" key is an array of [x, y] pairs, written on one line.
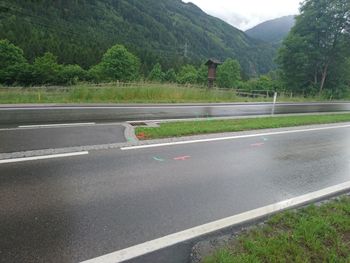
{"points": [[313, 61], [134, 93], [186, 128], [312, 234]]}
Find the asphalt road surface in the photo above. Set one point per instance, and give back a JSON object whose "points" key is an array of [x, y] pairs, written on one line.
{"points": [[77, 208], [36, 138], [11, 116]]}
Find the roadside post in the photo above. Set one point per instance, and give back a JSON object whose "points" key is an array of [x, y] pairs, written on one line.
{"points": [[274, 103]]}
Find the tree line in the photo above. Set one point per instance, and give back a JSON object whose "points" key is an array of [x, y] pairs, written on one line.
{"points": [[117, 64], [170, 32], [314, 59]]}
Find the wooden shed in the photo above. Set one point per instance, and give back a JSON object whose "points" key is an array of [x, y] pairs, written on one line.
{"points": [[212, 66]]}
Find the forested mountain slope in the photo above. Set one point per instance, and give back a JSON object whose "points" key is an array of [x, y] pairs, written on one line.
{"points": [[272, 31], [167, 31]]}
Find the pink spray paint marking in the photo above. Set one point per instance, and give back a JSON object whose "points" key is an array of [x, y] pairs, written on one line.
{"points": [[182, 158], [257, 144]]}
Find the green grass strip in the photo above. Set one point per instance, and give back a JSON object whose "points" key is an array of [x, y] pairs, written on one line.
{"points": [[135, 93], [312, 234], [184, 128]]}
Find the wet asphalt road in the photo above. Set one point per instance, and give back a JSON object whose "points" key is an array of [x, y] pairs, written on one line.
{"points": [[73, 209], [11, 116], [16, 140]]}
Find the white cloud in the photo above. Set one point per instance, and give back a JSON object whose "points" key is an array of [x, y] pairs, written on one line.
{"points": [[245, 14]]}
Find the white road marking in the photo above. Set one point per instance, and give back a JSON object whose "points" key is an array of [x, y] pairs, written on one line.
{"points": [[231, 137], [176, 238], [235, 117], [134, 107], [166, 106], [57, 125], [42, 157]]}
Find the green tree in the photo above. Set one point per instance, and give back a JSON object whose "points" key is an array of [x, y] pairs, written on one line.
{"points": [[46, 70], [170, 76], [318, 45], [156, 73], [118, 64], [187, 75], [229, 74], [202, 77], [12, 62], [10, 54]]}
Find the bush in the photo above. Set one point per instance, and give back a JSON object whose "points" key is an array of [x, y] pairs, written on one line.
{"points": [[202, 76], [170, 76], [156, 73], [71, 74], [188, 75], [229, 74], [117, 64], [262, 83]]}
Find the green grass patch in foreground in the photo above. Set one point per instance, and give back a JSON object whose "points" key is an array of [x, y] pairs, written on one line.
{"points": [[312, 234], [176, 129]]}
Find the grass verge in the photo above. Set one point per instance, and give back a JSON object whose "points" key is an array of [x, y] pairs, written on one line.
{"points": [[134, 93], [139, 93], [185, 128], [312, 234]]}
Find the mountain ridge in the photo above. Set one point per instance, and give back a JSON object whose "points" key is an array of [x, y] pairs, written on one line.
{"points": [[169, 31], [272, 31]]}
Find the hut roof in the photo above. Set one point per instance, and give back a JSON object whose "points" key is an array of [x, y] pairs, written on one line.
{"points": [[213, 61]]}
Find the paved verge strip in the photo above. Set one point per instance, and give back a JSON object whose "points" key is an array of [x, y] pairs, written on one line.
{"points": [[176, 238]]}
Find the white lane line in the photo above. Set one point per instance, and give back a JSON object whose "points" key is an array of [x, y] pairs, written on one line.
{"points": [[231, 137], [57, 125], [169, 107], [42, 157], [176, 238], [139, 107]]}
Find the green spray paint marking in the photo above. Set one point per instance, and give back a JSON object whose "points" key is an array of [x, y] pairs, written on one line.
{"points": [[158, 159]]}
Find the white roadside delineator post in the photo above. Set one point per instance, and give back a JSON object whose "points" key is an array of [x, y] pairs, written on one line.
{"points": [[274, 103]]}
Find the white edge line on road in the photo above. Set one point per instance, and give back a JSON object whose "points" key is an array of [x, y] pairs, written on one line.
{"points": [[165, 106], [176, 238], [57, 125], [42, 157], [231, 137]]}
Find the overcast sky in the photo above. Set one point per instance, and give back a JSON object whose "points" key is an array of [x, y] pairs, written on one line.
{"points": [[245, 14]]}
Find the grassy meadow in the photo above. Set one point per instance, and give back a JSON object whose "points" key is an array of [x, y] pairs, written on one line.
{"points": [[133, 93]]}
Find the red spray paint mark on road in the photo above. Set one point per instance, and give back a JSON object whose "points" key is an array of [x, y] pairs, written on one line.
{"points": [[182, 158]]}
